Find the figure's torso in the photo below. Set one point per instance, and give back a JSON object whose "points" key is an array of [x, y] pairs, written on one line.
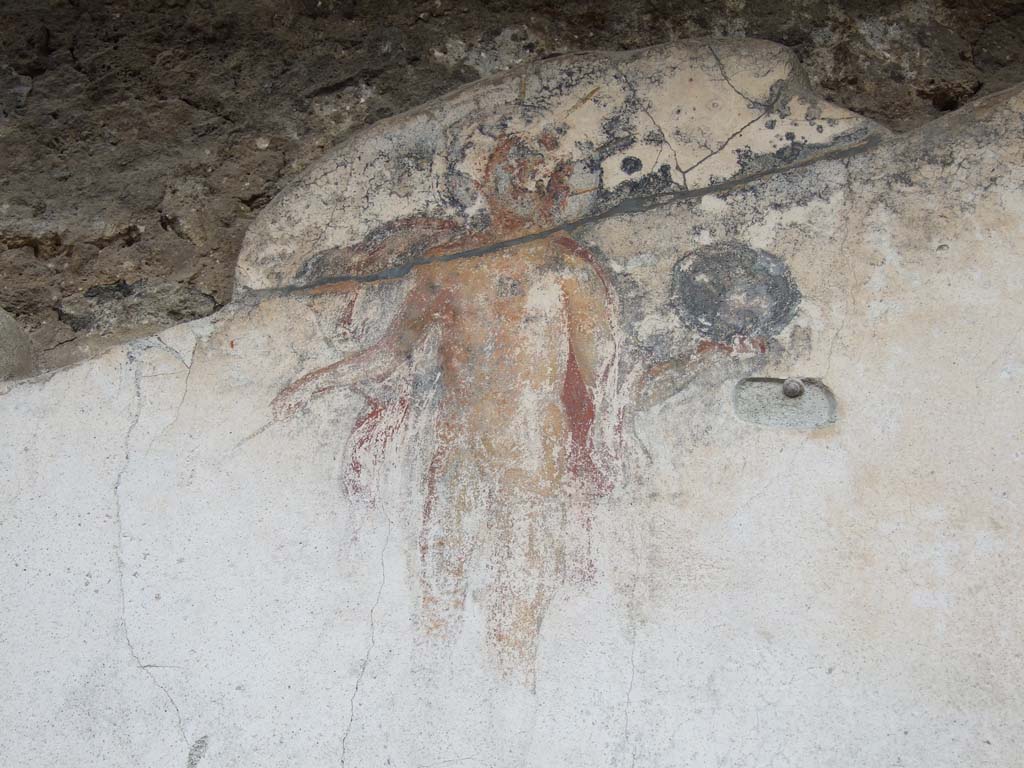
{"points": [[503, 346]]}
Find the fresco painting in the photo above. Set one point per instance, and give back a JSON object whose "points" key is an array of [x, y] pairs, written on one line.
{"points": [[536, 379]]}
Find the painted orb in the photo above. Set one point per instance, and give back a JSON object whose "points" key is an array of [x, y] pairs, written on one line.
{"points": [[729, 289]]}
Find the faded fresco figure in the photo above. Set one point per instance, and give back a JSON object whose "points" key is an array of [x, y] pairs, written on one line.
{"points": [[527, 424], [531, 384]]}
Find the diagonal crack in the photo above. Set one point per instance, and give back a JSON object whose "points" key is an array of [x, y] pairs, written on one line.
{"points": [[626, 207], [766, 109], [664, 136], [725, 143], [629, 690], [369, 649], [635, 587], [721, 68], [844, 250], [188, 376], [136, 411]]}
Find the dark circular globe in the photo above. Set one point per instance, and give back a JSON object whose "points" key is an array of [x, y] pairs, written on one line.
{"points": [[729, 289]]}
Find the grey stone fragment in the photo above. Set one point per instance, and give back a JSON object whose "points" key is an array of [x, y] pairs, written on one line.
{"points": [[764, 401], [15, 349]]}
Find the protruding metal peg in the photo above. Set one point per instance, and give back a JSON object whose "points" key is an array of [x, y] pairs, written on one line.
{"points": [[792, 387]]}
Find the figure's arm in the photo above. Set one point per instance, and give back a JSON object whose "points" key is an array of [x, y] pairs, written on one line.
{"points": [[374, 363], [661, 381], [395, 245], [670, 377]]}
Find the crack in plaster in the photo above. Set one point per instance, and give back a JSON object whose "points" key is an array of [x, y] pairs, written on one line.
{"points": [[184, 392], [629, 692], [664, 136], [369, 650], [766, 109], [638, 546], [728, 140], [119, 526], [844, 251], [627, 207], [655, 201], [721, 68]]}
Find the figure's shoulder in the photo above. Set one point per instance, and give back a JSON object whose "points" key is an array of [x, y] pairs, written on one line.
{"points": [[575, 256], [569, 251], [579, 265]]}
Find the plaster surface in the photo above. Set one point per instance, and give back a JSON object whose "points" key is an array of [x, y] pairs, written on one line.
{"points": [[459, 478]]}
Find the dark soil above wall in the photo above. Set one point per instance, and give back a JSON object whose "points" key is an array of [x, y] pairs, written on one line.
{"points": [[137, 140]]}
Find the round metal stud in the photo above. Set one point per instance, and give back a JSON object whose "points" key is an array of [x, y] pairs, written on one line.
{"points": [[792, 387]]}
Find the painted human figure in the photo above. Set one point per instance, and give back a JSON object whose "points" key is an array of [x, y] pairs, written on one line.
{"points": [[525, 337]]}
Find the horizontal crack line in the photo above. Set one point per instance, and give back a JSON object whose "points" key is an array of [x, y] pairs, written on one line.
{"points": [[626, 207]]}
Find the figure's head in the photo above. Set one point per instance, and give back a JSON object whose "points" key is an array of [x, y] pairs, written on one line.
{"points": [[516, 175], [525, 181]]}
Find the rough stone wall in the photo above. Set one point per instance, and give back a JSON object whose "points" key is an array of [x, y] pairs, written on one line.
{"points": [[139, 139]]}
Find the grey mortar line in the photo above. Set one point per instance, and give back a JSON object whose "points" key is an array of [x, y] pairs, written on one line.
{"points": [[626, 207]]}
